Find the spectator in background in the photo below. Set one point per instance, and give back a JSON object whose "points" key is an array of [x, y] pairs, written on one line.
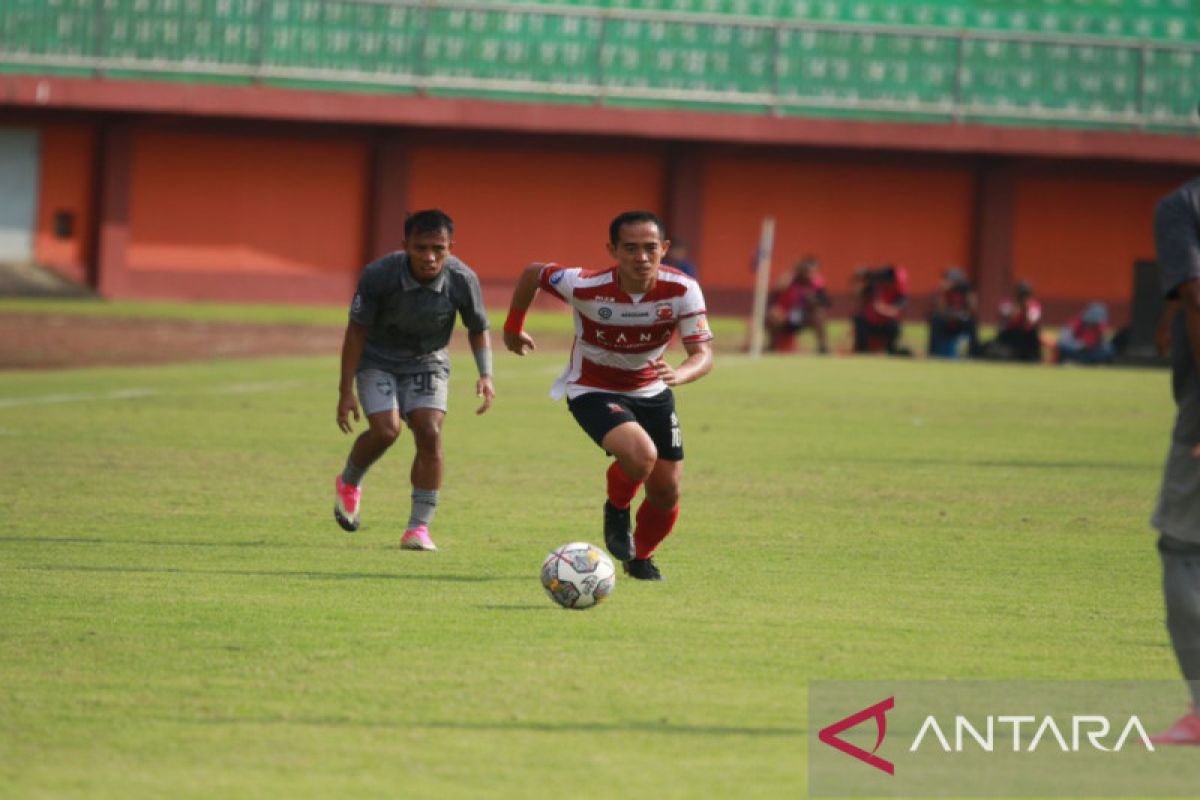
{"points": [[953, 318], [1085, 339], [798, 303], [882, 293], [1019, 335], [678, 258]]}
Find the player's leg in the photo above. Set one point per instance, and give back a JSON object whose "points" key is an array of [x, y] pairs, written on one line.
{"points": [[377, 395], [656, 518], [1181, 592], [659, 510], [424, 399], [609, 421], [426, 475], [860, 334], [1177, 518], [817, 322], [633, 459]]}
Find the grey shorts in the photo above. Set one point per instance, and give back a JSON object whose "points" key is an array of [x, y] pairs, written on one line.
{"points": [[1178, 511], [381, 390]]}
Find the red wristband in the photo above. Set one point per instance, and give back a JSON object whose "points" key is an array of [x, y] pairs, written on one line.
{"points": [[515, 322]]}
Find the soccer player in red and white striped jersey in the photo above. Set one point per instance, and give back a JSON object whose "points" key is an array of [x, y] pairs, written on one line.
{"points": [[618, 382]]}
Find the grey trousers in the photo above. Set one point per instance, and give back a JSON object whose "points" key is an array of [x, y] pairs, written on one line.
{"points": [[1181, 591]]}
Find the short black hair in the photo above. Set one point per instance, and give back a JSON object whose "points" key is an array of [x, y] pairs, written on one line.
{"points": [[631, 217], [431, 220]]}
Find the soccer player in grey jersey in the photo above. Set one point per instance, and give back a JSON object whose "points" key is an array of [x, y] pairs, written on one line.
{"points": [[394, 353], [1177, 517]]}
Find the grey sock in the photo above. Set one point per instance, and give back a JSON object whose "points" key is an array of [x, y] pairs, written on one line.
{"points": [[424, 504], [353, 474]]}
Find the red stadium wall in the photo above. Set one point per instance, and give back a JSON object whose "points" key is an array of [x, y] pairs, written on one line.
{"points": [[1076, 236], [67, 188], [277, 211], [516, 204], [848, 212], [246, 204]]}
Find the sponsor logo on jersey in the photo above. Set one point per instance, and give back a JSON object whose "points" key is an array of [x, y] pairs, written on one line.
{"points": [[356, 306], [602, 299], [605, 312], [701, 325], [662, 310], [556, 277], [632, 314]]}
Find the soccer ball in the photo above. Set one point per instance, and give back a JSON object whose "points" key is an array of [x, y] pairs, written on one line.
{"points": [[578, 575]]}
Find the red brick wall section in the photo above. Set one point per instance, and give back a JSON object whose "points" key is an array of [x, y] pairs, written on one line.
{"points": [[67, 186], [1076, 237], [247, 204], [513, 206]]}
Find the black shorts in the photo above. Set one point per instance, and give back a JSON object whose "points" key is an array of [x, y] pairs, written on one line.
{"points": [[599, 412]]}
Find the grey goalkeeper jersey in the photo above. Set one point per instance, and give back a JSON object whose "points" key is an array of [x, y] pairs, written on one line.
{"points": [[408, 323]]}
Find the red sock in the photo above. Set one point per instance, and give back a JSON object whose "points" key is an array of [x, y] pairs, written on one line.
{"points": [[653, 525], [621, 488]]}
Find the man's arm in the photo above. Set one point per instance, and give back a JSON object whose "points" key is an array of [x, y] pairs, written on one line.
{"points": [[1189, 304], [1162, 333], [515, 337], [352, 347], [481, 347], [699, 362]]}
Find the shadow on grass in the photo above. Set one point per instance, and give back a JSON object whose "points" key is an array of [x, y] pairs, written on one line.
{"points": [[257, 573], [664, 727], [999, 463], [521, 607], [291, 543]]}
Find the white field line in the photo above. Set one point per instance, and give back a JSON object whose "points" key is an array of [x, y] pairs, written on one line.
{"points": [[141, 392]]}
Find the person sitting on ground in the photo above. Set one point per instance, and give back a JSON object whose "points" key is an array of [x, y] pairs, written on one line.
{"points": [[883, 294], [953, 318], [799, 303], [1019, 334], [1085, 339]]}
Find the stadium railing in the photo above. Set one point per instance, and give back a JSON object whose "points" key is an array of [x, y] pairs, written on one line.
{"points": [[933, 61]]}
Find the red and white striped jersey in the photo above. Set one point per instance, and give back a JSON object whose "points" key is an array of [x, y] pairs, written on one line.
{"points": [[618, 334]]}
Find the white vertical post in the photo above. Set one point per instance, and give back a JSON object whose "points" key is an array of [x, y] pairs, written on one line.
{"points": [[762, 282]]}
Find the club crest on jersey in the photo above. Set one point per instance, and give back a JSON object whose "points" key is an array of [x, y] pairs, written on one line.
{"points": [[605, 312], [662, 311], [556, 277]]}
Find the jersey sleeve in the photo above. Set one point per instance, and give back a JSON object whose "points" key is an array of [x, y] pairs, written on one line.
{"points": [[472, 310], [558, 280], [693, 317], [365, 305]]}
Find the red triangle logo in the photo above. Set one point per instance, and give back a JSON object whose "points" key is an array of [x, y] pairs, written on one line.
{"points": [[878, 712]]}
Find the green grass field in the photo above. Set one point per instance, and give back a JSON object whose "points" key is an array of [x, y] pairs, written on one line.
{"points": [[182, 617]]}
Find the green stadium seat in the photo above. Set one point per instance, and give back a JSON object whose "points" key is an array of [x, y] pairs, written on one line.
{"points": [[900, 62]]}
